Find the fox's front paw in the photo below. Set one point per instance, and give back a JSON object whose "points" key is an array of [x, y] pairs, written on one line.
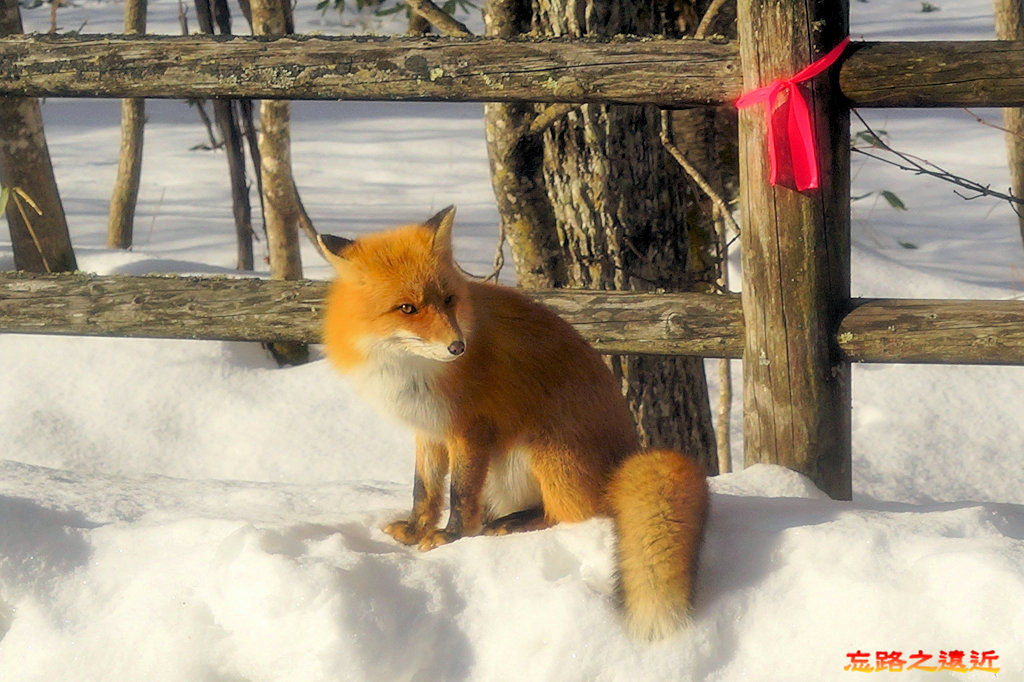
{"points": [[405, 532], [435, 538]]}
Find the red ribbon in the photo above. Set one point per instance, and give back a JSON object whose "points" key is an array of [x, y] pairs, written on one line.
{"points": [[792, 154]]}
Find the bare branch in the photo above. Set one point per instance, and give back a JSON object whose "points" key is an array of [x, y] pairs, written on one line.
{"points": [[418, 26], [923, 167], [983, 122], [722, 219], [438, 18], [691, 170], [499, 254], [197, 103], [305, 222], [708, 20], [548, 116], [21, 198]]}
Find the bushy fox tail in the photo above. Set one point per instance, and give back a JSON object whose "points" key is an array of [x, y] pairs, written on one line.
{"points": [[658, 500]]}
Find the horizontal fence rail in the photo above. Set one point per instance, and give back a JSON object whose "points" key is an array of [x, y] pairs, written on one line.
{"points": [[248, 309], [963, 332], [625, 70], [666, 72], [940, 73]]}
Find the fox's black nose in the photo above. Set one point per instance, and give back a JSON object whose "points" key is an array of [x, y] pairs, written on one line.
{"points": [[457, 348]]}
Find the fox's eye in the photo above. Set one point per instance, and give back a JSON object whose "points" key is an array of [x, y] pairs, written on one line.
{"points": [[448, 300], [408, 308]]}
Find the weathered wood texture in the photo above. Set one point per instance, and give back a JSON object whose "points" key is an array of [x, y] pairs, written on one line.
{"points": [[243, 309], [666, 72], [934, 74], [796, 262], [933, 331], [238, 309]]}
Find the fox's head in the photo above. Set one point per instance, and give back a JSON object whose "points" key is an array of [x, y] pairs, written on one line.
{"points": [[397, 292]]}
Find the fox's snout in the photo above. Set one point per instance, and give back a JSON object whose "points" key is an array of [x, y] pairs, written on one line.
{"points": [[457, 348], [433, 335], [443, 333], [445, 352]]}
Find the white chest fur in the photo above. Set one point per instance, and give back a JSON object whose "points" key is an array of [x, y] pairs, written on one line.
{"points": [[404, 386], [510, 486]]}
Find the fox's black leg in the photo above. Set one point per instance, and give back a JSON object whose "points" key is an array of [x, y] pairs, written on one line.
{"points": [[427, 493], [469, 458]]}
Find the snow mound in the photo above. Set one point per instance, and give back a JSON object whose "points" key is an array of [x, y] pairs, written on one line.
{"points": [[233, 580]]}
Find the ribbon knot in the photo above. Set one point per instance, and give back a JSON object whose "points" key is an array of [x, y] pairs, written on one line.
{"points": [[792, 154]]}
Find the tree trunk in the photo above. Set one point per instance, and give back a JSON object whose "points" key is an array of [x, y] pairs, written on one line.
{"points": [[605, 209], [620, 214], [226, 119], [129, 166], [1010, 26], [280, 200], [39, 230], [227, 122], [515, 155], [280, 212]]}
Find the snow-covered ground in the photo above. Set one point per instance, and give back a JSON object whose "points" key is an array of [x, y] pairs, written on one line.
{"points": [[188, 511]]}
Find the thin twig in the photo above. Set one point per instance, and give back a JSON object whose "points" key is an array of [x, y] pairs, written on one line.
{"points": [[156, 212], [710, 14], [305, 222], [980, 190], [724, 423], [691, 170], [21, 198], [499, 254], [922, 167], [983, 122], [205, 118]]}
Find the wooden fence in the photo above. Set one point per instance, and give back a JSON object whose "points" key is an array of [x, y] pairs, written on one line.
{"points": [[795, 325]]}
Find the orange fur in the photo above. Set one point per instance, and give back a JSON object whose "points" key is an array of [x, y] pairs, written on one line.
{"points": [[659, 500], [528, 416]]}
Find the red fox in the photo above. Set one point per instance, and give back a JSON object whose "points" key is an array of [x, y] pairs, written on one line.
{"points": [[508, 399]]}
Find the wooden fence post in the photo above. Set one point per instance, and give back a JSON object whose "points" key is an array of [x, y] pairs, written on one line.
{"points": [[796, 263]]}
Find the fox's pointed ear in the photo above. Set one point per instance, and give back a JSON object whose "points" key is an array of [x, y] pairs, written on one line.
{"points": [[333, 249], [442, 223]]}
